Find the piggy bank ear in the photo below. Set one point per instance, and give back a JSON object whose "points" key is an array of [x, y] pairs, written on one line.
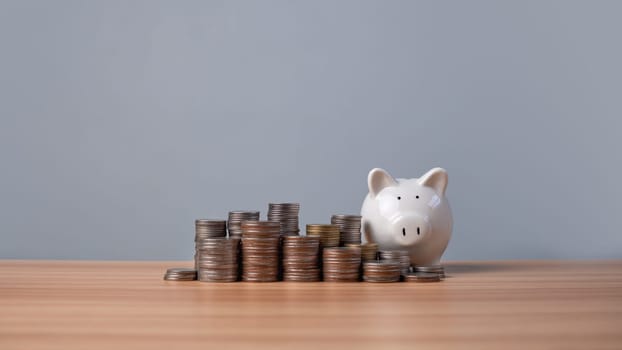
{"points": [[379, 179], [435, 178]]}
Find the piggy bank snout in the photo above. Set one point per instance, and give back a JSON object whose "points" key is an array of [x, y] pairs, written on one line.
{"points": [[409, 228]]}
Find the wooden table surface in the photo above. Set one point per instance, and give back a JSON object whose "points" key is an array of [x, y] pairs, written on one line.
{"points": [[481, 305]]}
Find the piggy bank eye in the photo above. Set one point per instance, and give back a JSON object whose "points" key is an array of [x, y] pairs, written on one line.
{"points": [[417, 197], [398, 198]]}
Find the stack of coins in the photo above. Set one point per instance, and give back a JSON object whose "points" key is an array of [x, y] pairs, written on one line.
{"points": [[300, 259], [400, 256], [368, 250], [260, 251], [328, 234], [341, 264], [423, 277], [381, 271], [437, 269], [205, 228], [349, 228], [218, 259], [234, 224], [287, 215], [180, 274]]}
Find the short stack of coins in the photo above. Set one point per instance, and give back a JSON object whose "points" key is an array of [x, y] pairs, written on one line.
{"points": [[341, 264], [349, 228], [328, 234], [423, 277], [206, 228], [287, 215], [400, 256], [234, 223], [301, 259], [432, 269], [381, 271], [218, 259], [260, 250], [180, 274]]}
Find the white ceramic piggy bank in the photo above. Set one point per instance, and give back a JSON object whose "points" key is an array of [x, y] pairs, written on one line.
{"points": [[408, 214]]}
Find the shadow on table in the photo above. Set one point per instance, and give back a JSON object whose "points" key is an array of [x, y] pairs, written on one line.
{"points": [[478, 267]]}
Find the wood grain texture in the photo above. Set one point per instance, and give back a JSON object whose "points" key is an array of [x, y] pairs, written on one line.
{"points": [[481, 305]]}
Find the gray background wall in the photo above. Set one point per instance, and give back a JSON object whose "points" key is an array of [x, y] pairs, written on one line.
{"points": [[123, 121]]}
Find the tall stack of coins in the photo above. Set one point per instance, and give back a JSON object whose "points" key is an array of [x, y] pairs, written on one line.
{"points": [[349, 228], [400, 256], [300, 259], [328, 234], [368, 250], [341, 264], [287, 215], [234, 224], [260, 251], [206, 228], [218, 259], [381, 271]]}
